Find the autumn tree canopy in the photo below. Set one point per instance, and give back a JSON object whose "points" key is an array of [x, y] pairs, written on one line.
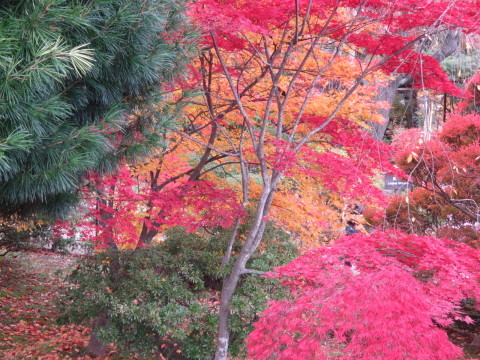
{"points": [[382, 296], [287, 92], [445, 171], [277, 60]]}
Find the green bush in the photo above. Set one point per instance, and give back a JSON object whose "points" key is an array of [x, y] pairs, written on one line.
{"points": [[168, 294]]}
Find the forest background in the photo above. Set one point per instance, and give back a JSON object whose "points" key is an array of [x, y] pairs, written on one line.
{"points": [[196, 147]]}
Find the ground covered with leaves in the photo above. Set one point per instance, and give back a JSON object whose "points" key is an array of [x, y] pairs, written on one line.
{"points": [[30, 282]]}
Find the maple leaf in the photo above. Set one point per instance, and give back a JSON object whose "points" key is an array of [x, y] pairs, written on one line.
{"points": [[367, 297]]}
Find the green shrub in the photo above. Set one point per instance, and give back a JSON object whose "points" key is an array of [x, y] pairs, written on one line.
{"points": [[168, 294]]}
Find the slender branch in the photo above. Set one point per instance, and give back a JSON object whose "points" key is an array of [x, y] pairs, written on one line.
{"points": [[245, 185], [297, 10], [60, 142], [307, 56], [204, 144], [238, 100], [399, 251], [252, 271], [312, 87], [188, 172], [6, 252], [231, 241], [451, 201], [306, 17], [196, 172], [352, 90], [217, 166]]}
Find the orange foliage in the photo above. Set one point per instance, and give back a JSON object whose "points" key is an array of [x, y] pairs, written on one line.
{"points": [[304, 203]]}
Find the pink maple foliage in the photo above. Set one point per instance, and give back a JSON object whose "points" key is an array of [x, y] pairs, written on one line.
{"points": [[388, 295]]}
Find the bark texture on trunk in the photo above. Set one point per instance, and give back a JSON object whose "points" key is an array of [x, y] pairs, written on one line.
{"points": [[228, 289], [96, 348]]}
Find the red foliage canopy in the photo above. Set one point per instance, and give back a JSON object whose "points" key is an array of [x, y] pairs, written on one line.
{"points": [[350, 175], [446, 171], [384, 296], [381, 27], [122, 202]]}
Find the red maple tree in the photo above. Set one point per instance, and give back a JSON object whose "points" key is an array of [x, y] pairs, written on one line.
{"points": [[382, 296], [122, 206], [263, 68], [293, 46]]}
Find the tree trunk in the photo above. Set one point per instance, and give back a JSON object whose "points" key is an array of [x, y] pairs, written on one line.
{"points": [[146, 235], [387, 93], [96, 347], [228, 289], [230, 282], [429, 117]]}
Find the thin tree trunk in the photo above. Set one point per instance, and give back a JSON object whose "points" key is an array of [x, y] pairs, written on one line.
{"points": [[429, 114], [231, 241], [228, 289], [96, 347], [230, 283], [146, 235]]}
